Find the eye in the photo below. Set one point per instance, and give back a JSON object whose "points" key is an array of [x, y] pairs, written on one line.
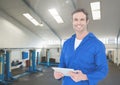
{"points": [[75, 19]]}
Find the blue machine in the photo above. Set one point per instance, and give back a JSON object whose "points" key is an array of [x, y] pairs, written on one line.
{"points": [[48, 63], [9, 76], [8, 70], [33, 62], [2, 67], [5, 65], [38, 58], [32, 67], [4, 73], [48, 57], [48, 60]]}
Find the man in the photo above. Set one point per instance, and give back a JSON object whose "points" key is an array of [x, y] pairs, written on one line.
{"points": [[84, 53]]}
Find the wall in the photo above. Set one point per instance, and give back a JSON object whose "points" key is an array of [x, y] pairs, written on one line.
{"points": [[115, 52], [16, 55], [110, 51], [54, 53], [119, 56], [14, 35]]}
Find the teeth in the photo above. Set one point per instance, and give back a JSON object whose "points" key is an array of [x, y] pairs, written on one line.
{"points": [[78, 26]]}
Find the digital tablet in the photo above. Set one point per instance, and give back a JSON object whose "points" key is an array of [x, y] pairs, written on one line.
{"points": [[65, 71]]}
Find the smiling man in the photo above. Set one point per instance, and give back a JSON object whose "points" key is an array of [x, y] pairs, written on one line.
{"points": [[84, 53]]}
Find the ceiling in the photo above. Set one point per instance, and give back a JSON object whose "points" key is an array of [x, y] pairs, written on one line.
{"points": [[107, 27]]}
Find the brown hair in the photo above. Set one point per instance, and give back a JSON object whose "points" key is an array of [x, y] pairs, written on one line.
{"points": [[81, 10]]}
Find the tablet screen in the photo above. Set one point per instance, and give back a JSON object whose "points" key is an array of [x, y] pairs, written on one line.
{"points": [[65, 71]]}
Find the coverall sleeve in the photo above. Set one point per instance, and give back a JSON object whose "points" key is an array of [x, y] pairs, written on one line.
{"points": [[62, 58], [101, 66]]}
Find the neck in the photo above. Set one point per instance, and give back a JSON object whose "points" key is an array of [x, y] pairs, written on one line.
{"points": [[80, 36]]}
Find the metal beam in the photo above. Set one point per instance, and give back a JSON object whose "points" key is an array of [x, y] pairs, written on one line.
{"points": [[118, 47], [73, 2], [118, 33], [41, 18]]}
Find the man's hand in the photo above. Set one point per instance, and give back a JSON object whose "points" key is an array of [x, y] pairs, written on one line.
{"points": [[78, 75], [58, 75]]}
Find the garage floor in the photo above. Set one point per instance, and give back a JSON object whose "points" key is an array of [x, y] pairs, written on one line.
{"points": [[46, 77], [39, 78], [113, 77]]}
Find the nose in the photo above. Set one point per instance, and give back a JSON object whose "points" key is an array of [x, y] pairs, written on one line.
{"points": [[79, 22]]}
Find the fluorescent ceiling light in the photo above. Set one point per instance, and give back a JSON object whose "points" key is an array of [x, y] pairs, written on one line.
{"points": [[95, 8], [41, 24], [56, 15], [30, 18]]}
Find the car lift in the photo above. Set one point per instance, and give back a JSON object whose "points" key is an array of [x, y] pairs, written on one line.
{"points": [[5, 66]]}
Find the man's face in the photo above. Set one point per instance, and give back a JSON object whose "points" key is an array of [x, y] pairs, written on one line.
{"points": [[79, 22]]}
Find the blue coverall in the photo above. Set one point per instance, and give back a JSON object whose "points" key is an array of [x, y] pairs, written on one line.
{"points": [[89, 57]]}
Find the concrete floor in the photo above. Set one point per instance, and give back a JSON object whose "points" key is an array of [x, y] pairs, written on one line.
{"points": [[113, 77], [39, 78], [46, 77]]}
